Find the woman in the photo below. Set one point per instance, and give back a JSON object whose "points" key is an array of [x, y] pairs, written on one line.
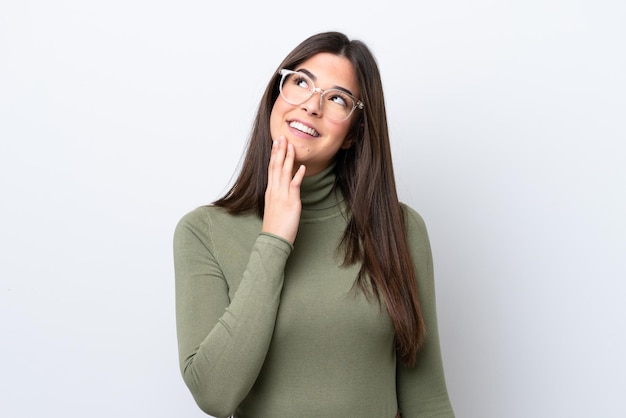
{"points": [[307, 290]]}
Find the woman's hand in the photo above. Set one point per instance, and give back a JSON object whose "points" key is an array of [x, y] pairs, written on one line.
{"points": [[282, 196]]}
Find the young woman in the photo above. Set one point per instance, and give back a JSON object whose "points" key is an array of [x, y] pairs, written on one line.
{"points": [[307, 290]]}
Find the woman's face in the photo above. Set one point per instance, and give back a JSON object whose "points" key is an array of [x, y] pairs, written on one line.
{"points": [[316, 139]]}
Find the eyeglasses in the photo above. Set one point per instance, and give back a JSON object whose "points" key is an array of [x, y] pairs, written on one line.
{"points": [[296, 88]]}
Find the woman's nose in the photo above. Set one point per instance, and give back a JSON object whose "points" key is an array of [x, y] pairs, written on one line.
{"points": [[313, 106]]}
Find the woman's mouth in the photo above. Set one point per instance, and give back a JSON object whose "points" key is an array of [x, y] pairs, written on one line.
{"points": [[303, 128]]}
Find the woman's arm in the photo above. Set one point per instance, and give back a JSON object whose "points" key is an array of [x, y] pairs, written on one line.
{"points": [[422, 390], [223, 343]]}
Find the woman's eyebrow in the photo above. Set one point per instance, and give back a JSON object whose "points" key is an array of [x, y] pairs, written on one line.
{"points": [[312, 77]]}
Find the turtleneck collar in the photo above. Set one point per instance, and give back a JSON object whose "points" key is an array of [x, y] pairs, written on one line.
{"points": [[318, 194]]}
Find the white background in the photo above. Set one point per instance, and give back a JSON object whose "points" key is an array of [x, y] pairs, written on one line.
{"points": [[507, 124]]}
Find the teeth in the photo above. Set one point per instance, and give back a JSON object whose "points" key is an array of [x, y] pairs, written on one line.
{"points": [[303, 128]]}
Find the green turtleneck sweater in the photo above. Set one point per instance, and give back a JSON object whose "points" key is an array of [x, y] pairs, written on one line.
{"points": [[267, 329]]}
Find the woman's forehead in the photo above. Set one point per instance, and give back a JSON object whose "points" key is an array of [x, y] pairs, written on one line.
{"points": [[330, 70]]}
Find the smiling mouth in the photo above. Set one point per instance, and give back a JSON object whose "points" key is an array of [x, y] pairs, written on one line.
{"points": [[303, 128]]}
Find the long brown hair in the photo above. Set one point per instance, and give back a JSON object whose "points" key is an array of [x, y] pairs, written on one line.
{"points": [[375, 235]]}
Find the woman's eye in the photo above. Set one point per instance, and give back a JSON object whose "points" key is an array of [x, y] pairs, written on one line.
{"points": [[301, 82], [339, 100]]}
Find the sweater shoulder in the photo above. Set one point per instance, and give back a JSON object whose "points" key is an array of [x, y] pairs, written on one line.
{"points": [[211, 224], [209, 216], [419, 241], [413, 218]]}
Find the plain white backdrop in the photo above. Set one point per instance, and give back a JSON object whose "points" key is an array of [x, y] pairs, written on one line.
{"points": [[507, 125]]}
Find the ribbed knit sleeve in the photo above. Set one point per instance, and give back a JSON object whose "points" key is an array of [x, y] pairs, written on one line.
{"points": [[223, 342], [422, 390]]}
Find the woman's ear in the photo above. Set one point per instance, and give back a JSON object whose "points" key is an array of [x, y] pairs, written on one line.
{"points": [[353, 134], [347, 143]]}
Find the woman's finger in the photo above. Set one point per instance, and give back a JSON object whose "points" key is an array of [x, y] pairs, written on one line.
{"points": [[277, 157], [297, 181], [287, 168]]}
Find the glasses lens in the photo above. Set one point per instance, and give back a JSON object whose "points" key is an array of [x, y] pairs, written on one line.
{"points": [[337, 104], [296, 88]]}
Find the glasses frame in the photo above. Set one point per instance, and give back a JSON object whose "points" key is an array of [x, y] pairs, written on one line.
{"points": [[285, 72]]}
